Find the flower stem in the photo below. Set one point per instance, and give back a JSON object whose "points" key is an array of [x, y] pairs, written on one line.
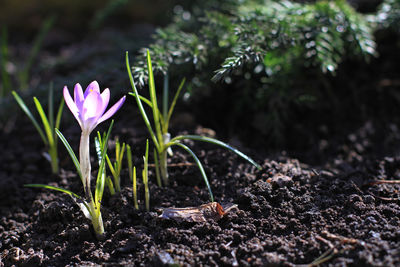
{"points": [[84, 160]]}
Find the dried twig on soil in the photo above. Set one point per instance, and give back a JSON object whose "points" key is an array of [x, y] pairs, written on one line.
{"points": [[384, 182], [182, 164], [333, 249], [386, 198], [378, 182], [342, 239]]}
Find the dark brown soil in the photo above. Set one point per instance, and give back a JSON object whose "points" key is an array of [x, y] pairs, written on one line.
{"points": [[288, 213]]}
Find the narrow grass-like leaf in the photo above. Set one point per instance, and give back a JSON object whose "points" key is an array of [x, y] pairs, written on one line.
{"points": [[117, 149], [46, 25], [110, 185], [100, 182], [145, 175], [118, 163], [157, 165], [196, 159], [129, 159], [66, 191], [153, 98], [5, 77], [99, 146], [25, 109], [147, 151], [146, 163], [134, 188], [216, 142], [54, 156], [74, 196], [71, 154], [51, 106], [100, 177], [98, 143], [59, 114], [165, 96], [148, 102], [121, 156], [171, 109], [142, 98], [139, 103], [110, 166], [46, 125]]}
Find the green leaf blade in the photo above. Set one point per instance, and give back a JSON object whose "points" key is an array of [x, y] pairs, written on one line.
{"points": [[51, 106], [153, 98], [59, 114], [200, 166], [100, 182], [66, 191], [71, 153], [45, 121], [25, 109], [219, 143], [172, 107], [139, 103]]}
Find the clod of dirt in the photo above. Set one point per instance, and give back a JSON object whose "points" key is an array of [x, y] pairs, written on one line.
{"points": [[280, 180], [210, 211]]}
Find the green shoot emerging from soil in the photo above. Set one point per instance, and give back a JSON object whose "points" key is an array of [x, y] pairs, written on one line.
{"points": [[145, 176], [132, 175], [89, 109], [48, 134], [161, 137], [115, 168], [22, 73], [89, 205]]}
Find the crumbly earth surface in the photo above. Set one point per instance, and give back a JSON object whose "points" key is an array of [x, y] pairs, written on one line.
{"points": [[289, 213]]}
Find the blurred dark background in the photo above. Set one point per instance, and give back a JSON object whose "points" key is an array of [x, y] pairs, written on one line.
{"points": [[24, 17]]}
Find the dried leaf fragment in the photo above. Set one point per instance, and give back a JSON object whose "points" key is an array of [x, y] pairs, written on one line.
{"points": [[202, 213]]}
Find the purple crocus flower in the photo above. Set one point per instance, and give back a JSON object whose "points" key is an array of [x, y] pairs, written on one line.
{"points": [[89, 107]]}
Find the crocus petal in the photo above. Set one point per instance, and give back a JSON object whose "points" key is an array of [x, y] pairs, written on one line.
{"points": [[92, 106], [90, 124], [78, 96], [105, 96], [112, 110], [71, 104], [92, 87]]}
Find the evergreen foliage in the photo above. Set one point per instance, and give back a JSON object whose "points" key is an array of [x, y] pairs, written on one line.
{"points": [[268, 32], [388, 15], [264, 51]]}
